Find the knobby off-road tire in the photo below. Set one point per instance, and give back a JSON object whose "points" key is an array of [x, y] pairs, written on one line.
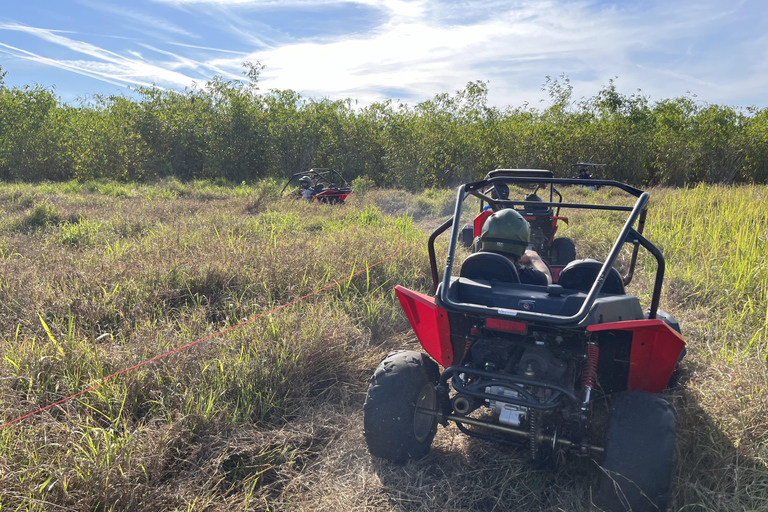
{"points": [[562, 251], [393, 427], [637, 471]]}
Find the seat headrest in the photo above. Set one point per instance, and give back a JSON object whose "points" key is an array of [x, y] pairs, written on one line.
{"points": [[581, 274], [490, 267]]}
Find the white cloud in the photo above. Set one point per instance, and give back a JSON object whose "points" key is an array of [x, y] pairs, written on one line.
{"points": [[144, 22], [53, 37], [208, 48], [422, 47], [516, 48], [282, 4], [105, 65], [416, 54], [178, 62], [33, 57]]}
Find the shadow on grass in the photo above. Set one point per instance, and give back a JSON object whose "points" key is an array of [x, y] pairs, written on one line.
{"points": [[465, 473], [711, 472]]}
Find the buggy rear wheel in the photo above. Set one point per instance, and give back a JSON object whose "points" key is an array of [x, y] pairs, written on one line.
{"points": [[639, 449], [562, 251], [398, 422]]}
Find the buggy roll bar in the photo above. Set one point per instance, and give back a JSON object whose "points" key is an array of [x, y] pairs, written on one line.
{"points": [[628, 234], [317, 173]]}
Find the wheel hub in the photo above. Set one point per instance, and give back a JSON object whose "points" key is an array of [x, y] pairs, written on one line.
{"points": [[423, 422]]}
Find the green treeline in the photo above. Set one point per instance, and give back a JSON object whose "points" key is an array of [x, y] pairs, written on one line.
{"points": [[230, 130]]}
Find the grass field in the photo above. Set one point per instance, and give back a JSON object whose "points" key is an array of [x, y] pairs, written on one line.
{"points": [[99, 277]]}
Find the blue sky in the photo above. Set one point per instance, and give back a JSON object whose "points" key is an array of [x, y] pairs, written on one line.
{"points": [[408, 50]]}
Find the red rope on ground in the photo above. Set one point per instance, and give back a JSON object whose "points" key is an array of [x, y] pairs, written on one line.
{"points": [[184, 347]]}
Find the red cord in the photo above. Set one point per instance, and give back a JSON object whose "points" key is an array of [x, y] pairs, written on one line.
{"points": [[179, 349]]}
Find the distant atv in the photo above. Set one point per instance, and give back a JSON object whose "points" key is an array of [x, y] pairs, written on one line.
{"points": [[318, 184], [574, 368], [585, 173], [541, 216]]}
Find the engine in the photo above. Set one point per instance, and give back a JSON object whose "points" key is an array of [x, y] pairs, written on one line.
{"points": [[538, 239], [541, 233], [533, 359]]}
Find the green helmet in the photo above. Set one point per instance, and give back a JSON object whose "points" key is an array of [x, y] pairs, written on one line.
{"points": [[305, 179], [506, 232]]}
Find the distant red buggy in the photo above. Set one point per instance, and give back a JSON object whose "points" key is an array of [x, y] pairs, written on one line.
{"points": [[318, 184]]}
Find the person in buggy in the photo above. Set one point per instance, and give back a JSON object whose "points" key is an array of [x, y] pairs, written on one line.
{"points": [[318, 184], [304, 189], [584, 174], [500, 191], [506, 232]]}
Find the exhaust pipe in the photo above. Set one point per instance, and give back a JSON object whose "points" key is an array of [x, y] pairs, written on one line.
{"points": [[463, 405]]}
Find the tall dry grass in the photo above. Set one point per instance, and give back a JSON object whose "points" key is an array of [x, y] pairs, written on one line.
{"points": [[97, 277]]}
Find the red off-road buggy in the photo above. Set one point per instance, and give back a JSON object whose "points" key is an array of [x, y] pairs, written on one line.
{"points": [[543, 219], [317, 184], [576, 367]]}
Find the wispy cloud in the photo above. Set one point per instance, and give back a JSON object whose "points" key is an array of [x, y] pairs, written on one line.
{"points": [[140, 20], [56, 38], [109, 66], [177, 62], [413, 52], [421, 47], [27, 55], [208, 48], [287, 4], [426, 46]]}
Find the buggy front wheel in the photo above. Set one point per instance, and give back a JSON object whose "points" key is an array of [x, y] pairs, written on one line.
{"points": [[399, 422]]}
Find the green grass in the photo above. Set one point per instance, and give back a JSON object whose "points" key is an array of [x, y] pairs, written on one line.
{"points": [[98, 277], [718, 240]]}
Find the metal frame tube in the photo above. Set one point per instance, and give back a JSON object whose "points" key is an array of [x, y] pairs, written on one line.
{"points": [[528, 315]]}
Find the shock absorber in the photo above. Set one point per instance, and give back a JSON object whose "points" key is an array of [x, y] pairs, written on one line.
{"points": [[589, 370], [533, 441]]}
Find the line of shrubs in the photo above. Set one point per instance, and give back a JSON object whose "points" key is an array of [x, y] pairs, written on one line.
{"points": [[229, 130]]}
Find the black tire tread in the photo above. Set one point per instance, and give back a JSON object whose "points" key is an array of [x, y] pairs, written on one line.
{"points": [[639, 452], [390, 406]]}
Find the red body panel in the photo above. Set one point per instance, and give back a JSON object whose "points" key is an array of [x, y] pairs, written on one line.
{"points": [[656, 349], [480, 220], [554, 220], [506, 325], [429, 322], [341, 196]]}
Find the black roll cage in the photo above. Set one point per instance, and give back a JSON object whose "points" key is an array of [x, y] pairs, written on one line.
{"points": [[628, 234], [320, 175], [497, 204]]}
